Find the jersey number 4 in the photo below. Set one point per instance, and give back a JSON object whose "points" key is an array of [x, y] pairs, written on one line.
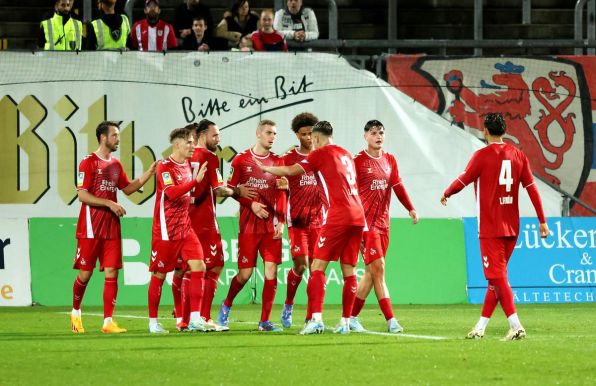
{"points": [[505, 175]]}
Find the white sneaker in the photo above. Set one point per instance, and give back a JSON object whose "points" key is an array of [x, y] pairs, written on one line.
{"points": [[342, 327], [197, 325], [515, 333], [355, 325], [394, 327], [157, 329], [475, 334], [210, 324], [313, 327]]}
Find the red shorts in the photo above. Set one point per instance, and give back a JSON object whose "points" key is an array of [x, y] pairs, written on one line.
{"points": [[108, 251], [212, 249], [302, 241], [495, 253], [374, 246], [339, 241], [169, 254], [249, 244]]}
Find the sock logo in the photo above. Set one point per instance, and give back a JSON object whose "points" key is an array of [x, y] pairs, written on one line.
{"points": [[485, 261]]}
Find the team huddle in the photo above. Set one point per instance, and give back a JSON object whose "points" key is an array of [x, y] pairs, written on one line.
{"points": [[335, 206]]}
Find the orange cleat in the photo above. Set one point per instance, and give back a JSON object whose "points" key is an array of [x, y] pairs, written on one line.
{"points": [[76, 324], [113, 328]]}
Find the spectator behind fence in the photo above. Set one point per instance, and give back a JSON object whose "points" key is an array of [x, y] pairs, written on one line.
{"points": [[267, 38], [185, 13], [61, 32], [296, 22], [198, 40], [111, 31], [151, 33], [237, 23]]}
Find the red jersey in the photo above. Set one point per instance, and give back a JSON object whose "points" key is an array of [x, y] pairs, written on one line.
{"points": [[102, 178], [172, 199], [263, 41], [497, 171], [202, 197], [159, 37], [245, 171], [307, 200], [377, 176], [336, 171]]}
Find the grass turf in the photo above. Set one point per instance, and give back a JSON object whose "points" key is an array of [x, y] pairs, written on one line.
{"points": [[38, 348]]}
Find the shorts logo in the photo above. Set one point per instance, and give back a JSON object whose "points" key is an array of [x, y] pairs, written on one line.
{"points": [[485, 261], [153, 255], [322, 241], [373, 251], [80, 179], [160, 264], [296, 248], [167, 179], [83, 262], [213, 249], [208, 260], [244, 260]]}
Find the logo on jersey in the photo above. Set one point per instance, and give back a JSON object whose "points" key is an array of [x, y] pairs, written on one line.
{"points": [[167, 179], [231, 173], [100, 171], [153, 255], [249, 169], [160, 264], [485, 261], [213, 248], [80, 179], [219, 177]]}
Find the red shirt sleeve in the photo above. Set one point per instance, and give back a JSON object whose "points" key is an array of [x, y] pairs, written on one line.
{"points": [[469, 175], [526, 177], [172, 42], [257, 44], [312, 163], [234, 178], [133, 36], [123, 180], [85, 174], [215, 179]]}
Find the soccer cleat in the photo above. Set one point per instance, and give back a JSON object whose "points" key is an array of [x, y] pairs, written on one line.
{"points": [[355, 325], [224, 314], [158, 329], [197, 325], [267, 326], [112, 328], [313, 327], [216, 327], [342, 328], [286, 315], [394, 327], [515, 334], [182, 326], [76, 324], [475, 334]]}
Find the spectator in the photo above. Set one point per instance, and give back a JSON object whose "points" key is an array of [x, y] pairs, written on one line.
{"points": [[185, 13], [61, 32], [237, 24], [151, 33], [296, 22], [111, 31], [198, 40], [268, 39]]}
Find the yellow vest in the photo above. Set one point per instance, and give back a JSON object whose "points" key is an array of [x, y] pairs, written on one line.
{"points": [[105, 40], [62, 37]]}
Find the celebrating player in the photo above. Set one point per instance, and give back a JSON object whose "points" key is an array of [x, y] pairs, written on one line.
{"points": [[497, 171], [341, 233], [173, 238], [305, 212], [98, 229], [261, 223], [377, 175]]}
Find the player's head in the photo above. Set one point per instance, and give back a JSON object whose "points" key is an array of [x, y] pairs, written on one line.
{"points": [[108, 135], [374, 134], [302, 126], [321, 132], [182, 144], [207, 133], [266, 133], [495, 124]]}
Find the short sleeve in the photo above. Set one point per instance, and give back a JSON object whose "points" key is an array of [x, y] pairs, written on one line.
{"points": [[234, 176], [215, 178], [85, 175], [163, 176], [312, 163], [123, 180]]}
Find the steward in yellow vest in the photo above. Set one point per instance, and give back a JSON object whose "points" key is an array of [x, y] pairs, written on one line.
{"points": [[111, 31], [61, 32]]}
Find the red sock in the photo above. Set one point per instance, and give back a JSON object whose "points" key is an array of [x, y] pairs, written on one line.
{"points": [[196, 290], [235, 288], [349, 295], [78, 290], [154, 295], [110, 292], [177, 293], [505, 295], [269, 289], [316, 291], [386, 308], [184, 292], [293, 281], [358, 305], [490, 300], [209, 288]]}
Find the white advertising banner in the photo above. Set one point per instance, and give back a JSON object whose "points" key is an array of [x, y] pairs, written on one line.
{"points": [[15, 272]]}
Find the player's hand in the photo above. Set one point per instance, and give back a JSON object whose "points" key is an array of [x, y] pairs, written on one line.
{"points": [[259, 210], [246, 192], [116, 208], [152, 168], [544, 231], [444, 200], [279, 231], [414, 216], [282, 183], [201, 172]]}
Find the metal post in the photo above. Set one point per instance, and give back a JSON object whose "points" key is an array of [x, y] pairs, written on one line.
{"points": [[527, 12], [332, 6], [591, 23], [579, 24], [86, 11], [392, 22], [478, 25], [565, 203], [128, 10]]}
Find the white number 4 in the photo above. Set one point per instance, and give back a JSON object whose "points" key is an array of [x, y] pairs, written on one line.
{"points": [[505, 175]]}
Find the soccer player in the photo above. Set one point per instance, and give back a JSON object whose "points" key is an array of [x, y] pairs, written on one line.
{"points": [[305, 212], [173, 238], [497, 171], [261, 223], [377, 175], [341, 233], [98, 229]]}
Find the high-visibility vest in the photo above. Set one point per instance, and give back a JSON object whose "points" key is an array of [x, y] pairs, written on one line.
{"points": [[62, 37], [105, 39]]}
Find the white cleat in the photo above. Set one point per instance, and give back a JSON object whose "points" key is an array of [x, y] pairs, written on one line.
{"points": [[197, 325], [355, 325], [475, 334], [342, 328], [157, 329], [515, 334], [212, 326], [313, 327], [394, 327]]}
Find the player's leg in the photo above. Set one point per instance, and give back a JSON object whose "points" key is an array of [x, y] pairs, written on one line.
{"points": [[516, 330], [315, 291], [352, 237], [192, 254], [377, 271], [364, 287], [164, 254], [84, 262], [153, 299], [299, 249], [111, 263], [270, 250], [177, 295], [214, 262]]}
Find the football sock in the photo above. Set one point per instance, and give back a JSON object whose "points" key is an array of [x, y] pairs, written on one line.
{"points": [[209, 288], [110, 292], [184, 291], [196, 291], [195, 315], [505, 295], [316, 292], [235, 288], [269, 288], [293, 281], [386, 308], [482, 323], [348, 295], [490, 300], [358, 305], [78, 290], [154, 295], [177, 293], [152, 322], [514, 321]]}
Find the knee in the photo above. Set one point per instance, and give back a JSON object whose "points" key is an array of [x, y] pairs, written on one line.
{"points": [[299, 269], [111, 272], [85, 276]]}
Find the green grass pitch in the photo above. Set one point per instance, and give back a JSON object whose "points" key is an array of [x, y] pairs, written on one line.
{"points": [[38, 348]]}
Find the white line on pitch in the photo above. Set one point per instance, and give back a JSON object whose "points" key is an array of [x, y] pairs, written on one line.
{"points": [[140, 317], [405, 335]]}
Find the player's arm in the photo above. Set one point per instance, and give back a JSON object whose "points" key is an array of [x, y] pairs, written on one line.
{"points": [[404, 198], [233, 182], [292, 170], [91, 200], [172, 192], [239, 191], [469, 175], [137, 183], [527, 180]]}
